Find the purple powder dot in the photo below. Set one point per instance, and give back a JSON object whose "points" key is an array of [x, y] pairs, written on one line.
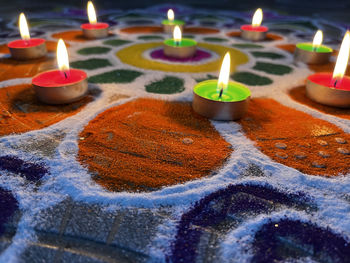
{"points": [[31, 171], [199, 56], [8, 206]]}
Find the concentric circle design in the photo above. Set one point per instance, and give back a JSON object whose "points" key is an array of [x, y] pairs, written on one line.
{"points": [[134, 55]]}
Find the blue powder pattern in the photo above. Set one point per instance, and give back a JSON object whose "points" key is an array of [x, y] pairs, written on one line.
{"points": [[8, 206], [31, 171]]}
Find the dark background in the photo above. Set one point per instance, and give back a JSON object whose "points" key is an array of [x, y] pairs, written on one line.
{"points": [[337, 10]]}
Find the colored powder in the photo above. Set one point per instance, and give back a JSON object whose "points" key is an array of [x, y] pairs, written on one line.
{"points": [[270, 55], [90, 64], [287, 239], [251, 79], [275, 69], [299, 94], [227, 205], [116, 76], [147, 144], [297, 139], [20, 110], [168, 85], [31, 171], [200, 55], [8, 207], [116, 42], [93, 50]]}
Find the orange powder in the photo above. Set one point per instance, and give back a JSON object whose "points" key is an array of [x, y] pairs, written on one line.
{"points": [[299, 95], [20, 111], [296, 139], [146, 144]]}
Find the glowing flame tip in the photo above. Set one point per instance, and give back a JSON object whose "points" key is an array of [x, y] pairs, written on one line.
{"points": [[171, 15], [91, 13], [62, 56], [224, 72], [343, 58], [257, 18], [177, 34], [318, 39], [23, 27]]}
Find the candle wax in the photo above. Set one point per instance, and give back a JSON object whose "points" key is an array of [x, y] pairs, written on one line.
{"points": [[326, 79], [26, 43], [255, 28], [234, 92], [174, 22], [185, 42], [94, 26], [309, 47], [56, 78]]}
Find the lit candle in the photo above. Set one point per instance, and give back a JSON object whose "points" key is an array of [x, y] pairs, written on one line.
{"points": [[61, 86], [255, 31], [93, 30], [221, 99], [332, 89], [179, 47], [26, 48], [170, 23], [313, 53]]}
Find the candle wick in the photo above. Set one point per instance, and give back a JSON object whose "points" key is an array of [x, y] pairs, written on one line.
{"points": [[65, 74], [335, 83], [220, 94], [177, 43]]}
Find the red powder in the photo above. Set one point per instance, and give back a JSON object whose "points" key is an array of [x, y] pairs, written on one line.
{"points": [[296, 139], [146, 144], [20, 111]]}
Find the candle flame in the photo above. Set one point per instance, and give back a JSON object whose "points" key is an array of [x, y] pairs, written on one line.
{"points": [[62, 56], [224, 72], [317, 39], [177, 34], [171, 15], [91, 13], [257, 18], [23, 27], [342, 60]]}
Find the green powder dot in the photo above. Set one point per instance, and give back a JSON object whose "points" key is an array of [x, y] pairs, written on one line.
{"points": [[247, 45], [168, 85], [150, 37], [251, 79], [92, 63], [188, 36], [209, 76], [275, 69], [93, 50], [116, 42], [214, 39], [270, 55], [116, 76]]}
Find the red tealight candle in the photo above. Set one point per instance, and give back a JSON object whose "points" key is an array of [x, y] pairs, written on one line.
{"points": [[255, 31], [26, 48], [332, 89], [93, 30], [61, 86]]}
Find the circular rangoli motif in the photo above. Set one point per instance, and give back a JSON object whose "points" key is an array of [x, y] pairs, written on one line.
{"points": [[146, 144], [134, 55]]}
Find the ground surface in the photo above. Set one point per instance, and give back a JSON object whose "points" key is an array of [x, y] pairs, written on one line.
{"points": [[132, 174]]}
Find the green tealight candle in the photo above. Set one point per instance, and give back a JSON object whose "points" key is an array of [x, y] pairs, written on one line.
{"points": [[174, 22], [185, 48], [231, 105], [234, 92], [309, 54], [185, 42], [310, 47]]}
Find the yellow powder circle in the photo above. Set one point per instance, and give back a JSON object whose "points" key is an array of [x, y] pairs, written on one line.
{"points": [[133, 55]]}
